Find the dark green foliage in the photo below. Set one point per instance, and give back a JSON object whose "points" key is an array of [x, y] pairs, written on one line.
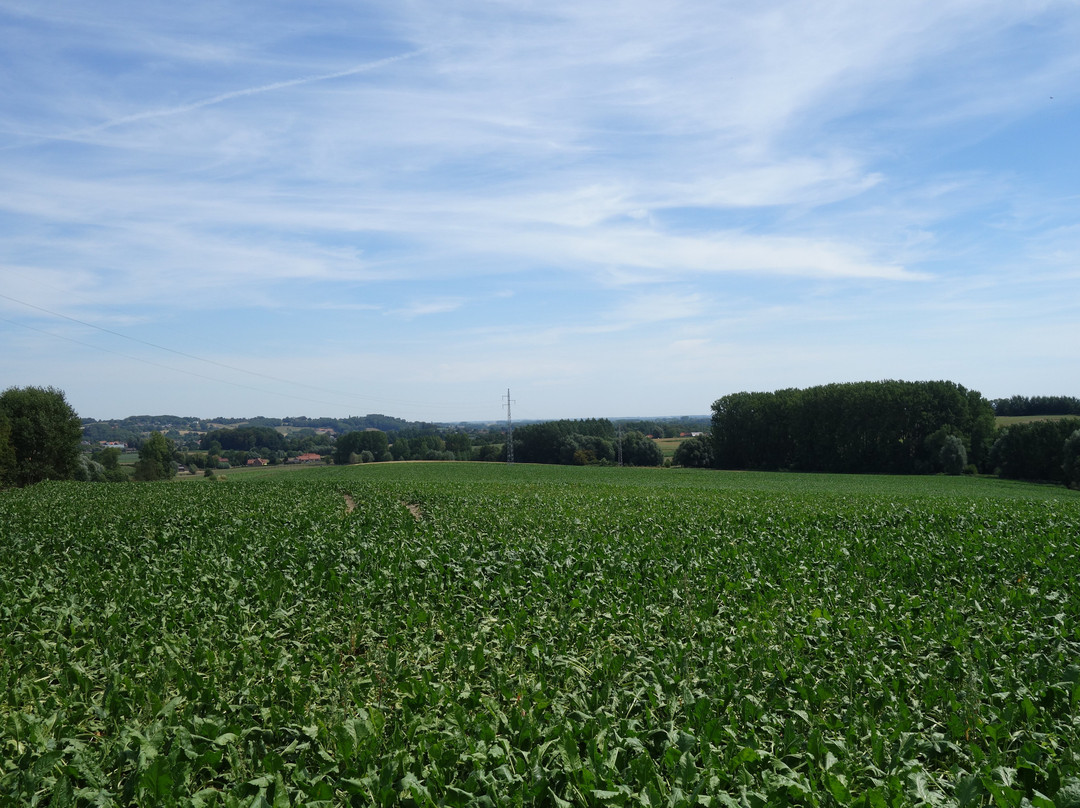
{"points": [[110, 463], [89, 470], [1037, 405], [953, 455], [879, 427], [695, 453], [372, 441], [583, 450], [490, 452], [459, 443], [583, 442], [638, 450], [400, 449], [44, 435], [1070, 463], [155, 459], [108, 458], [245, 439], [7, 453], [558, 441], [1033, 451]]}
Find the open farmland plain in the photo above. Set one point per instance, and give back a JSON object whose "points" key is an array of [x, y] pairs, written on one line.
{"points": [[465, 634]]}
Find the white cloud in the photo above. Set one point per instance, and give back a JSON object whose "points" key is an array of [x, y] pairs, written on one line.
{"points": [[704, 172], [422, 308]]}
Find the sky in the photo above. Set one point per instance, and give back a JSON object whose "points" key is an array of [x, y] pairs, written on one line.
{"points": [[608, 210]]}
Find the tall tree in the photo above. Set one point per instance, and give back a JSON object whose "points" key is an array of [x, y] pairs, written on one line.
{"points": [[45, 434], [155, 459]]}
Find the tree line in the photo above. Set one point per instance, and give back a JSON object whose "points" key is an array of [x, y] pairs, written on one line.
{"points": [[1047, 451], [583, 442], [891, 427], [883, 427], [1036, 405]]}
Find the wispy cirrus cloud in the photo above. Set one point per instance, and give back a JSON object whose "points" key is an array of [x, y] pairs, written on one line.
{"points": [[221, 98], [423, 308], [728, 179]]}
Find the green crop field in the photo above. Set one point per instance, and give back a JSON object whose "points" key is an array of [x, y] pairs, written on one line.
{"points": [[467, 634], [669, 445], [1009, 420]]}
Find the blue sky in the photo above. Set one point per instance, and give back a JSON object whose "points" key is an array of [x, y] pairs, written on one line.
{"points": [[408, 207]]}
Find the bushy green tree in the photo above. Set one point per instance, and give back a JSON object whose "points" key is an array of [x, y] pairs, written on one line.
{"points": [[401, 450], [110, 462], [155, 459], [89, 470], [44, 437], [953, 456], [1071, 460], [638, 450], [694, 453]]}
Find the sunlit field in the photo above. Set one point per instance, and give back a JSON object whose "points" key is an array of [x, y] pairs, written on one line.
{"points": [[471, 634]]}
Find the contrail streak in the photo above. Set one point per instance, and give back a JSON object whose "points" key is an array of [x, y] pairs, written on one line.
{"points": [[265, 88]]}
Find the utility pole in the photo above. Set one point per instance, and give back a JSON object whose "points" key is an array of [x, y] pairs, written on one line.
{"points": [[509, 430], [619, 444]]}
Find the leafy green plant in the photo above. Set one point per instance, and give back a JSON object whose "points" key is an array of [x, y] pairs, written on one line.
{"points": [[456, 634]]}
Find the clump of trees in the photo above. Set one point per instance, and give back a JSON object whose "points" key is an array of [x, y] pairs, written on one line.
{"points": [[583, 442], [893, 427], [1037, 405], [245, 439], [236, 446], [362, 447], [109, 461], [40, 435], [1039, 450]]}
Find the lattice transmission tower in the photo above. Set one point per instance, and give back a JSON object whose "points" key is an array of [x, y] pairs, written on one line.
{"points": [[509, 430]]}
